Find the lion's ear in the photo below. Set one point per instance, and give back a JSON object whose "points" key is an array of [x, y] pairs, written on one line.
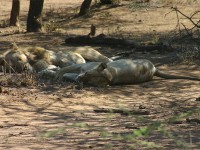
{"points": [[101, 67], [13, 46]]}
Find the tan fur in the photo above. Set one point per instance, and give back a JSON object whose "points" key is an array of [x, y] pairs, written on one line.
{"points": [[126, 71], [77, 68], [40, 65], [16, 60], [52, 58], [14, 46], [91, 54], [20, 58], [37, 53], [67, 59], [39, 57], [76, 58]]}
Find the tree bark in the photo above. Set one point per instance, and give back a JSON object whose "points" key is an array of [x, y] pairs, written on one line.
{"points": [[34, 20], [104, 2], [14, 16], [85, 7]]}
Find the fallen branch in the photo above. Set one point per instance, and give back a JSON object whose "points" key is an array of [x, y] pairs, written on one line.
{"points": [[122, 112], [100, 39], [193, 120], [111, 41]]}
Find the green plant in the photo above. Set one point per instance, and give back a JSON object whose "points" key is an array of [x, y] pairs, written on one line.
{"points": [[189, 54], [51, 26], [25, 78], [137, 136], [4, 23], [134, 5]]}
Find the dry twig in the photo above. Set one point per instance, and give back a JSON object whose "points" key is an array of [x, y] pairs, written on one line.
{"points": [[189, 31]]}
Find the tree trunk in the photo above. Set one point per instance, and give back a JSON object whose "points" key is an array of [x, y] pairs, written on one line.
{"points": [[85, 7], [34, 20], [110, 2], [14, 16]]}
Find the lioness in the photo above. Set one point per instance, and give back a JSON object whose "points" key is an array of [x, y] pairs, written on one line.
{"points": [[124, 71], [91, 54], [15, 60], [38, 57]]}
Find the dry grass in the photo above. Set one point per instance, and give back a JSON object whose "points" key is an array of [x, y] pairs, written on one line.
{"points": [[23, 79], [190, 54]]}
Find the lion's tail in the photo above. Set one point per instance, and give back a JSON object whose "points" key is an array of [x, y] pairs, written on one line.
{"points": [[159, 73]]}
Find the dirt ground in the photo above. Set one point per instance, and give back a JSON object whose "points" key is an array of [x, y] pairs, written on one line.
{"points": [[63, 116]]}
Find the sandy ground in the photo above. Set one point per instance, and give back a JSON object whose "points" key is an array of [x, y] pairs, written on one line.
{"points": [[29, 116]]}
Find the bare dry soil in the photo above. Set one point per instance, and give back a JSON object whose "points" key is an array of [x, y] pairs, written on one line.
{"points": [[64, 116]]}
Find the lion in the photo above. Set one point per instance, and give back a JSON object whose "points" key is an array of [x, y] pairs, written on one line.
{"points": [[40, 58], [91, 54], [63, 59], [15, 61], [77, 69], [36, 53], [124, 71], [69, 58], [59, 59]]}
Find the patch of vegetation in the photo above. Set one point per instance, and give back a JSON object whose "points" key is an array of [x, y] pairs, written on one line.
{"points": [[190, 54], [4, 23], [134, 5], [51, 26], [19, 80], [137, 136], [52, 16]]}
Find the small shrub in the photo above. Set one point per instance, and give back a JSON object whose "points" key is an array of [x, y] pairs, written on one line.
{"points": [[19, 79], [134, 5], [189, 54], [51, 26], [4, 23]]}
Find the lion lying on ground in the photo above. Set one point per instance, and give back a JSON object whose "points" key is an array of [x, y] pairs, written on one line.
{"points": [[124, 71], [40, 58], [15, 61], [91, 54], [74, 67]]}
